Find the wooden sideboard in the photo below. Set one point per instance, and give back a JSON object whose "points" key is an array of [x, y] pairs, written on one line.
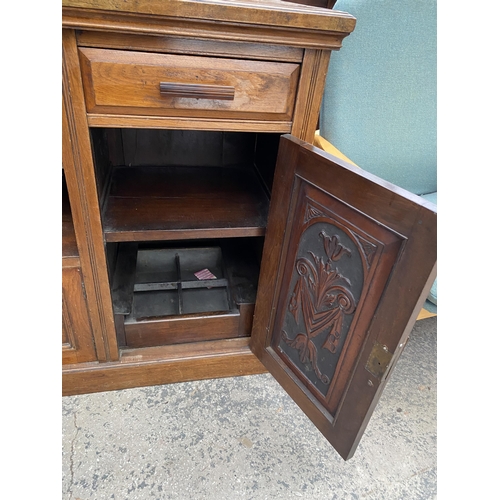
{"points": [[186, 149]]}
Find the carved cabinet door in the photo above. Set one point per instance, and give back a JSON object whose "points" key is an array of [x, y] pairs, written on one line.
{"points": [[348, 262]]}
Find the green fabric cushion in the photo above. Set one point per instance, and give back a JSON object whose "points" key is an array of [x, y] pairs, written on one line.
{"points": [[433, 294], [429, 306], [432, 197], [379, 105]]}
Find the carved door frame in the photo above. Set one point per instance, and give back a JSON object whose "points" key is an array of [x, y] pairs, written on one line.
{"points": [[348, 262]]}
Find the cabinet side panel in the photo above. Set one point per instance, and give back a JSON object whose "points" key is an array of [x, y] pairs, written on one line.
{"points": [[79, 170], [310, 93]]}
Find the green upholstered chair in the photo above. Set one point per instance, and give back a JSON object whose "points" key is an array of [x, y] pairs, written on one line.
{"points": [[379, 105]]}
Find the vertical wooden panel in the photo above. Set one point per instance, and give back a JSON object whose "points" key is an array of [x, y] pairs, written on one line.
{"points": [[78, 345], [310, 94], [82, 190]]}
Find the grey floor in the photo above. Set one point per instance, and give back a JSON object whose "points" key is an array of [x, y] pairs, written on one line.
{"points": [[244, 438]]}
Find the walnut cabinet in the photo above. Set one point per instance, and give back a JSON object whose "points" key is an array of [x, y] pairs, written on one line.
{"points": [[203, 235]]}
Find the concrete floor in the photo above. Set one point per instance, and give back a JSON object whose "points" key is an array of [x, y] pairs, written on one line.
{"points": [[244, 438]]}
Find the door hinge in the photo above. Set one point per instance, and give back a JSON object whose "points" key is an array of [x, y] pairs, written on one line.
{"points": [[378, 360]]}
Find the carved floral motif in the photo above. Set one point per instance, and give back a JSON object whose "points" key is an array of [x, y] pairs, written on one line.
{"points": [[322, 294], [312, 212], [369, 249]]}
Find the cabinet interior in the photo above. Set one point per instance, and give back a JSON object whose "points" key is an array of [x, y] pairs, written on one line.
{"points": [[184, 215], [69, 247]]}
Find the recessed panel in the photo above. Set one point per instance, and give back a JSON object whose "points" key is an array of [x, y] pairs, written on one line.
{"points": [[323, 295], [323, 318]]}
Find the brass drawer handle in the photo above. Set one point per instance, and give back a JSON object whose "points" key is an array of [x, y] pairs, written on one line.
{"points": [[197, 91]]}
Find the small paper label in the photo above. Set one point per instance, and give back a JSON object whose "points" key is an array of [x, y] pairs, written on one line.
{"points": [[205, 274]]}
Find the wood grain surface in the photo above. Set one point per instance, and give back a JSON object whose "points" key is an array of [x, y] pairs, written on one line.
{"points": [[126, 82], [162, 203]]}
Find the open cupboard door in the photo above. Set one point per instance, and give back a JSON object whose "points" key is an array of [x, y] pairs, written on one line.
{"points": [[348, 262]]}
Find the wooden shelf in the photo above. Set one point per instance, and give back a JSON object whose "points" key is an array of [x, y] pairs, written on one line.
{"points": [[168, 203]]}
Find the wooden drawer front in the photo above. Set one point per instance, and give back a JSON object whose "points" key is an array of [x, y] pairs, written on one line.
{"points": [[130, 83]]}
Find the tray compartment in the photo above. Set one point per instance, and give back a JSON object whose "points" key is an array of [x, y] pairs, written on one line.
{"points": [[158, 300], [165, 283]]}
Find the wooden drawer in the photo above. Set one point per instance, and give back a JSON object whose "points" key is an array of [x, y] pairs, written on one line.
{"points": [[140, 83]]}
